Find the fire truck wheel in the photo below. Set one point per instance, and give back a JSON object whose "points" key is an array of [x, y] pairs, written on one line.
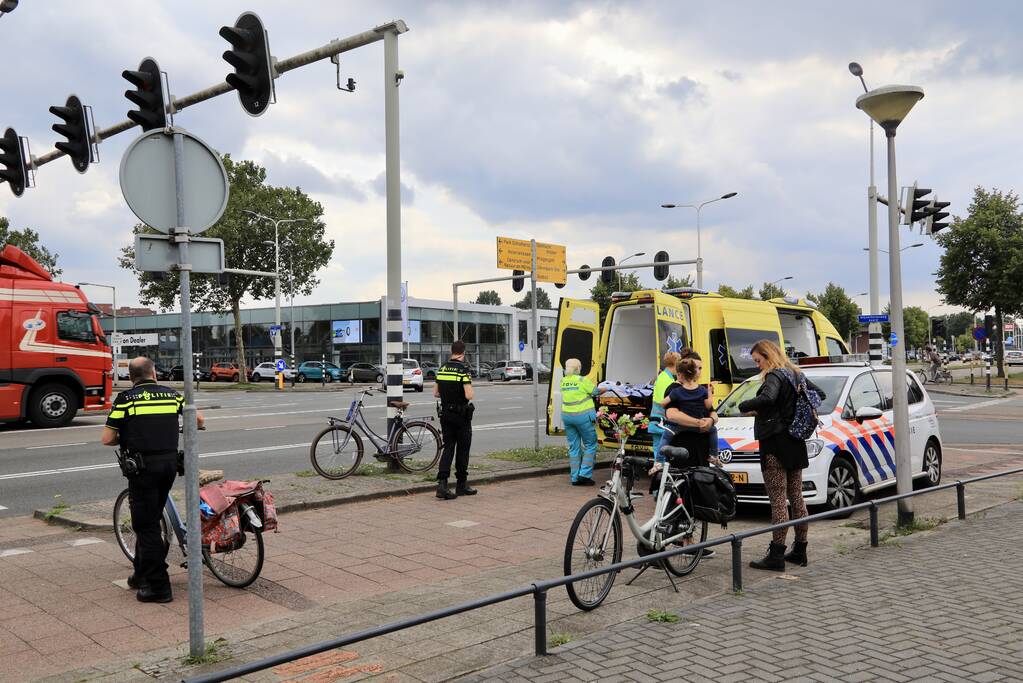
{"points": [[52, 405]]}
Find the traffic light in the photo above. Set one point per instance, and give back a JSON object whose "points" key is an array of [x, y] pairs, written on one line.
{"points": [[607, 276], [938, 328], [560, 285], [989, 325], [916, 208], [932, 223], [252, 77], [519, 282], [12, 162], [148, 95], [661, 272], [7, 6], [76, 129], [584, 272]]}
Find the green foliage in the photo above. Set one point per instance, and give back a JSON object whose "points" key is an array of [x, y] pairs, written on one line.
{"points": [[673, 282], [914, 323], [660, 616], [544, 456], [28, 241], [558, 639], [490, 297], [959, 323], [304, 248], [215, 652], [542, 300], [769, 291], [841, 310], [732, 293]]}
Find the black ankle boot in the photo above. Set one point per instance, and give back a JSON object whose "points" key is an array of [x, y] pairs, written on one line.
{"points": [[463, 489], [798, 554], [443, 492], [774, 560]]}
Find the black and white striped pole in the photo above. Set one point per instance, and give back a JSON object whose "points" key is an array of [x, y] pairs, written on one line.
{"points": [[393, 338]]}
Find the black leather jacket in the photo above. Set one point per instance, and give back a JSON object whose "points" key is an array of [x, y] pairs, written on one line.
{"points": [[775, 404]]}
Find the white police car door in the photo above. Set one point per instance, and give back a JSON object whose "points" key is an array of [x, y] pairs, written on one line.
{"points": [[918, 414], [874, 454]]}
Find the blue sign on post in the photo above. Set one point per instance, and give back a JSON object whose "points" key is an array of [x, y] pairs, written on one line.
{"points": [[893, 339], [879, 318], [979, 333], [281, 365], [522, 346]]}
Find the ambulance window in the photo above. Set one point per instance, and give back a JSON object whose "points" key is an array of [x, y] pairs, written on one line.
{"points": [[863, 394], [75, 326], [719, 369], [799, 333], [576, 344], [740, 345], [835, 347], [672, 336]]}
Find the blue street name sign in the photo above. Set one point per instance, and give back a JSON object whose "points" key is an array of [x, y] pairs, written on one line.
{"points": [[281, 365], [879, 318]]}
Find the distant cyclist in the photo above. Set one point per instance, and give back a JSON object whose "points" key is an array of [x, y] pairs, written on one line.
{"points": [[935, 361]]}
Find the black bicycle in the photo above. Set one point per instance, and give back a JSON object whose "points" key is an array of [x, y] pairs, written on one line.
{"points": [[414, 445]]}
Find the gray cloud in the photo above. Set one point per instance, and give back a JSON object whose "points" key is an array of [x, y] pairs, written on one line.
{"points": [[408, 193], [684, 90], [293, 171]]}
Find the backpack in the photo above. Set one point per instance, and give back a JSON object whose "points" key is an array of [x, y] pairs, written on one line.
{"points": [[804, 419], [712, 495]]}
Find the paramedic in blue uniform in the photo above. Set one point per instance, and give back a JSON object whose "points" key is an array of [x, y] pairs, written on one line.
{"points": [[454, 389], [144, 420]]}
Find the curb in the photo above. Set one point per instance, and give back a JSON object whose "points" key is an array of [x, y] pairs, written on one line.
{"points": [[999, 393], [425, 487]]}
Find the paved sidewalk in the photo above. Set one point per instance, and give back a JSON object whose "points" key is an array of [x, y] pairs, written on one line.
{"points": [[945, 605]]}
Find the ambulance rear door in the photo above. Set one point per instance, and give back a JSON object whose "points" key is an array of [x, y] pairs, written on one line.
{"points": [[746, 323], [578, 336]]}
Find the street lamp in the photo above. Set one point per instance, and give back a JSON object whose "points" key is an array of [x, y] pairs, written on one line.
{"points": [[699, 251], [113, 309], [885, 251], [888, 106], [623, 260], [781, 279], [277, 270]]}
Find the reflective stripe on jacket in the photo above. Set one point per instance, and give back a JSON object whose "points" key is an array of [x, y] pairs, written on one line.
{"points": [[576, 394]]}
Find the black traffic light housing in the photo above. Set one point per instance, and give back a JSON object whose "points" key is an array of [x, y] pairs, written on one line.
{"points": [[76, 129], [989, 325], [661, 272], [933, 223], [916, 209], [938, 328], [607, 276], [253, 75], [584, 272], [148, 95], [12, 162], [519, 281]]}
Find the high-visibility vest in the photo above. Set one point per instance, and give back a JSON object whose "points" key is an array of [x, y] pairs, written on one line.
{"points": [[576, 394]]}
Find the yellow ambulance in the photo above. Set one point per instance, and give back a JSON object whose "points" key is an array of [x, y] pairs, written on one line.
{"points": [[641, 326]]}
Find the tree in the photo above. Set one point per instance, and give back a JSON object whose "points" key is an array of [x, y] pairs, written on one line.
{"points": [[542, 300], [983, 260], [837, 307], [769, 291], [601, 293], [732, 293], [489, 297], [28, 241], [959, 323], [914, 326], [303, 248], [675, 283]]}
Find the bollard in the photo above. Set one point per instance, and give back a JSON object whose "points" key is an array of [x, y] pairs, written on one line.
{"points": [[540, 622], [323, 370], [961, 499], [873, 525], [294, 371], [737, 565], [971, 374], [987, 374]]}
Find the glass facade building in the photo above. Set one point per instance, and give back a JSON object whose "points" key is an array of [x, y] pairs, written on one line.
{"points": [[491, 333]]}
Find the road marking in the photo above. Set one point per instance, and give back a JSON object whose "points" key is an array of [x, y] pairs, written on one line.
{"points": [[85, 541], [511, 408], [982, 404], [14, 551], [2, 507], [57, 445], [256, 429], [463, 524]]}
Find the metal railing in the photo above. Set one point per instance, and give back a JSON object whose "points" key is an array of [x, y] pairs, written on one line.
{"points": [[539, 589]]}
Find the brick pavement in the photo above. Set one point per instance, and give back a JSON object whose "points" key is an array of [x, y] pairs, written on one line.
{"points": [[945, 605]]}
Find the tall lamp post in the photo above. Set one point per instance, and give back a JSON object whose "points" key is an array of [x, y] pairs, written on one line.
{"points": [[277, 269], [623, 260], [113, 309], [699, 247], [888, 107]]}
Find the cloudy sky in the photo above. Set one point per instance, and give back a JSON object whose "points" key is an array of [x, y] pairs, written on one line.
{"points": [[570, 122]]}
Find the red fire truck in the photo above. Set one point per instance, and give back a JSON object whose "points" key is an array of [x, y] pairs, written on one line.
{"points": [[54, 358]]}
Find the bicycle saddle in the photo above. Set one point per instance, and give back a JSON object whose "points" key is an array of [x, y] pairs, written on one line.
{"points": [[676, 455], [401, 405]]}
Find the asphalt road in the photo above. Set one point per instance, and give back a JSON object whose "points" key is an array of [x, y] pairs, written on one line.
{"points": [[261, 433]]}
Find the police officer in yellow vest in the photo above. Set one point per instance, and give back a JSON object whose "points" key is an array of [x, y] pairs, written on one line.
{"points": [[454, 391], [143, 421], [579, 418]]}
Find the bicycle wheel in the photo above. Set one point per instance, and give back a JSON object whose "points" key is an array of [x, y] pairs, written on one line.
{"points": [[684, 563], [923, 376], [336, 452], [122, 526], [587, 549], [239, 566], [948, 378], [416, 446]]}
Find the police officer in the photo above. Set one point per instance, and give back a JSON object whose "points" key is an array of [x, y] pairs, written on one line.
{"points": [[144, 421], [454, 389]]}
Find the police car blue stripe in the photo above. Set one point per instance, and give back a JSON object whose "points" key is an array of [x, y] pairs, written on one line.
{"points": [[873, 456], [884, 451], [851, 446]]}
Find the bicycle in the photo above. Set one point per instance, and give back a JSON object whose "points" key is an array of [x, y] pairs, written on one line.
{"points": [[940, 376], [237, 566], [414, 445], [600, 541]]}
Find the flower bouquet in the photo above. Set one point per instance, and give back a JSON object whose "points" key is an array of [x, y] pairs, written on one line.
{"points": [[622, 425]]}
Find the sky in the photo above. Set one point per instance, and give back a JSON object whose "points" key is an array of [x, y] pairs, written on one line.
{"points": [[567, 122]]}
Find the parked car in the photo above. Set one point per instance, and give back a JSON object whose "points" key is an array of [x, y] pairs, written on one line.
{"points": [[853, 451], [268, 371], [177, 374], [429, 369], [366, 372], [411, 374], [507, 370], [316, 371], [1014, 357], [163, 373], [545, 372], [228, 372]]}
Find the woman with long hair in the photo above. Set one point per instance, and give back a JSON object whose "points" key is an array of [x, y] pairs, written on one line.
{"points": [[782, 456]]}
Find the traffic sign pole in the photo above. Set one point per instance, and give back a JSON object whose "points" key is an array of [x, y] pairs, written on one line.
{"points": [[536, 353]]}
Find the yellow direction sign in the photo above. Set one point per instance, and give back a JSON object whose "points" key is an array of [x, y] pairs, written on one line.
{"points": [[518, 255]]}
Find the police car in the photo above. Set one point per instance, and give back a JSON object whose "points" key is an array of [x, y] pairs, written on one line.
{"points": [[853, 452]]}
